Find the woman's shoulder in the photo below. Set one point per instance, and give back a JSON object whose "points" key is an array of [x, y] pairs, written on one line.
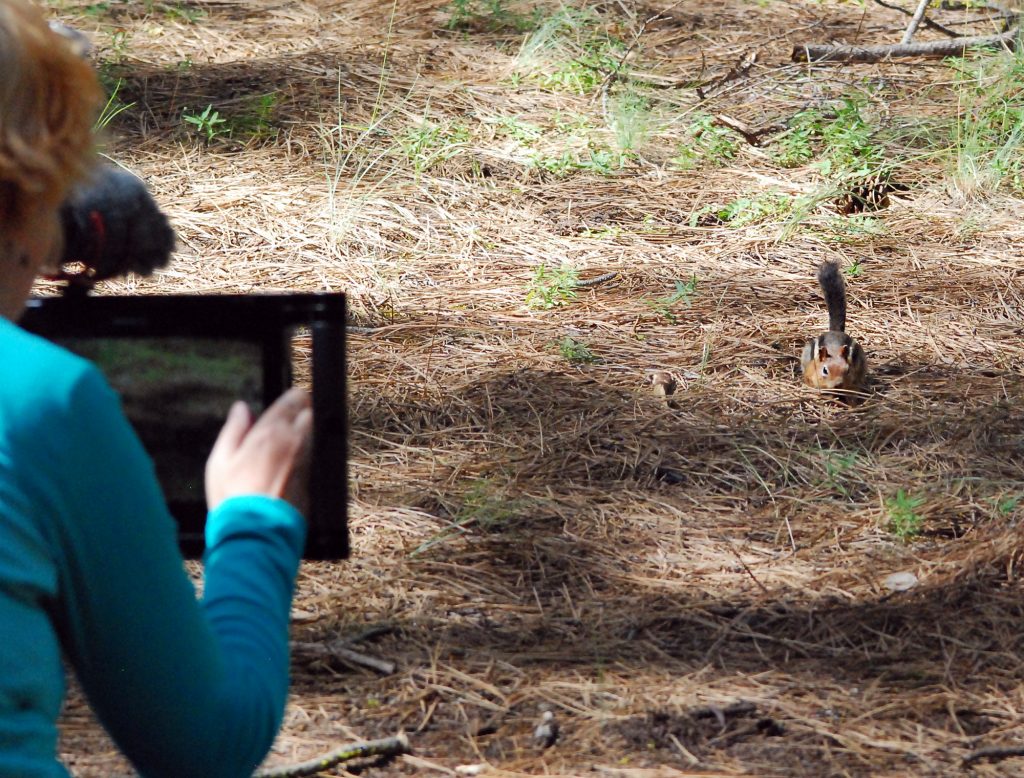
{"points": [[37, 371]]}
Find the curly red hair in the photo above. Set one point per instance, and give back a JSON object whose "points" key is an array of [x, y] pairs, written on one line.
{"points": [[49, 99]]}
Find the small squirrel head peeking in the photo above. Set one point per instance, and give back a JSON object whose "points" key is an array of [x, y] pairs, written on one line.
{"points": [[833, 360]]}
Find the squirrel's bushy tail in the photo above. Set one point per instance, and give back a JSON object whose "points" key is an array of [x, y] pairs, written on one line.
{"points": [[835, 295]]}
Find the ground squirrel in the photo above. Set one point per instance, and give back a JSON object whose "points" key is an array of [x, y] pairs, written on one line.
{"points": [[833, 360]]}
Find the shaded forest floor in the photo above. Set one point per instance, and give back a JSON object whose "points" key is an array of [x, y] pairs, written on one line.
{"points": [[701, 587]]}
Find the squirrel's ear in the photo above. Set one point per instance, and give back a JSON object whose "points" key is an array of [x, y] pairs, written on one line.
{"points": [[822, 353], [844, 352]]}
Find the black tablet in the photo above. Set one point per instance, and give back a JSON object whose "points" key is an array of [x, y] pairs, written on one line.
{"points": [[180, 361]]}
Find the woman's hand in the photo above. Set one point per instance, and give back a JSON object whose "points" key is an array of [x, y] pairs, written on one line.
{"points": [[269, 457]]}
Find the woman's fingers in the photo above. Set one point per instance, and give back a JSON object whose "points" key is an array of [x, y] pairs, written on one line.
{"points": [[287, 406], [268, 457], [238, 423]]}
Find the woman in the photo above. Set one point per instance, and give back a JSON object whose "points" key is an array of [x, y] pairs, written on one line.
{"points": [[89, 565]]}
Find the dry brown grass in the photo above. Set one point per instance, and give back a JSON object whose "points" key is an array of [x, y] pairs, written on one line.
{"points": [[531, 534]]}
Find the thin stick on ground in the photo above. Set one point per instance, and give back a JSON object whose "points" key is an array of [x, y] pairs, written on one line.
{"points": [[915, 21], [995, 753], [388, 746], [931, 25], [339, 649], [614, 74]]}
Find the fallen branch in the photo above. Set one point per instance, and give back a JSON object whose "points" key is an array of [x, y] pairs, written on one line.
{"points": [[950, 48], [388, 746]]}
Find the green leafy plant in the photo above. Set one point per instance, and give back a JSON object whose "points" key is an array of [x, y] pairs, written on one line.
{"points": [[208, 123], [681, 296], [837, 465], [606, 232], [460, 13], [571, 123], [795, 146], [578, 76], [492, 15], [904, 520], [183, 13], [849, 143], [1006, 505], [744, 211], [753, 210], [485, 505], [96, 9], [574, 351], [604, 162], [256, 120], [630, 119], [857, 225], [570, 51], [844, 142], [552, 287], [119, 46], [520, 130], [705, 143], [429, 144]]}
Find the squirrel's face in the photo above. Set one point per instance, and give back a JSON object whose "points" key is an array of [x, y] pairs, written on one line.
{"points": [[832, 361], [833, 369]]}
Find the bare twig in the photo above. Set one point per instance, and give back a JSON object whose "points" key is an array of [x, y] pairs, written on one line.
{"points": [[352, 328], [338, 649], [614, 74], [931, 25], [915, 21], [749, 572], [950, 48], [389, 746], [739, 70], [995, 753], [738, 708], [752, 135]]}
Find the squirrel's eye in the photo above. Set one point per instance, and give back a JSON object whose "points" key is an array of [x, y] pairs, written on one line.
{"points": [[824, 369]]}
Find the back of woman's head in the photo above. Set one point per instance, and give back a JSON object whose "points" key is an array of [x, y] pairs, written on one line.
{"points": [[48, 102]]}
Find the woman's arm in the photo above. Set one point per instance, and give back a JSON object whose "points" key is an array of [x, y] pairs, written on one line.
{"points": [[184, 688]]}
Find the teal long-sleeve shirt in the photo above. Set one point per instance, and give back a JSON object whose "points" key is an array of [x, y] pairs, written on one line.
{"points": [[89, 566]]}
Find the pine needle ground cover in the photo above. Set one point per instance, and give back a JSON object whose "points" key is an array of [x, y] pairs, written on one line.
{"points": [[742, 578]]}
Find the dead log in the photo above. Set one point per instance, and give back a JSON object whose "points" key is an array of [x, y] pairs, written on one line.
{"points": [[946, 48]]}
